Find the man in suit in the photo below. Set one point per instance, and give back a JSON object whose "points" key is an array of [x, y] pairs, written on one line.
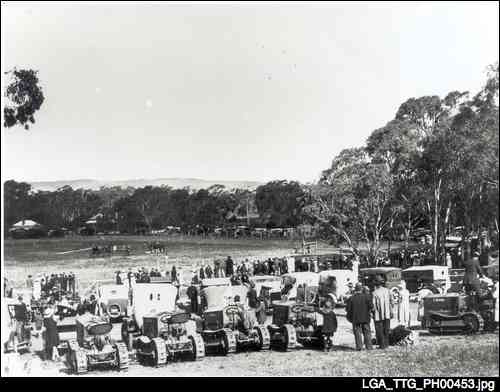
{"points": [[471, 279], [382, 312], [359, 308], [472, 270]]}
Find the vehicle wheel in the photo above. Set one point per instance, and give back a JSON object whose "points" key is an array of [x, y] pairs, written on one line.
{"points": [[159, 352], [471, 322], [264, 337], [489, 321], [198, 347], [228, 342], [79, 362], [290, 337], [121, 356]]}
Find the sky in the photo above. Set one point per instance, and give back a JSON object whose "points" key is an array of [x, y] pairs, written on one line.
{"points": [[252, 92]]}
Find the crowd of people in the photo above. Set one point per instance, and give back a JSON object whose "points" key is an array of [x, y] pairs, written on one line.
{"points": [[364, 306]]}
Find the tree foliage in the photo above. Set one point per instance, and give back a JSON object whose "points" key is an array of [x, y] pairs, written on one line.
{"points": [[24, 97]]}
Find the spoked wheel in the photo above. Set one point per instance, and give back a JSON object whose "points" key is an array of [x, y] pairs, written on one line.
{"points": [[122, 358], [471, 322], [289, 337], [159, 352], [198, 350], [264, 337], [228, 342]]}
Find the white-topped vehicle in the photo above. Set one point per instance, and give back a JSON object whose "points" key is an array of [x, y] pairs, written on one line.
{"points": [[157, 330], [227, 324]]}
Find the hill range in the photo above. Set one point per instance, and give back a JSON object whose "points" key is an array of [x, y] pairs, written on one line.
{"points": [[176, 183]]}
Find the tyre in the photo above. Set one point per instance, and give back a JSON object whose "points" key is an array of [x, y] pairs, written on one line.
{"points": [[198, 350], [289, 337], [472, 324], [489, 321], [159, 352], [264, 337], [122, 358], [228, 342], [79, 361]]}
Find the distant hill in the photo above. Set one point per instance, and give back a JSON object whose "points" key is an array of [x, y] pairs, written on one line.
{"points": [[176, 183]]}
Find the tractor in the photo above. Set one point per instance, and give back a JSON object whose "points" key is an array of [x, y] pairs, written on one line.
{"points": [[94, 347], [455, 312], [157, 331], [297, 322], [226, 326]]}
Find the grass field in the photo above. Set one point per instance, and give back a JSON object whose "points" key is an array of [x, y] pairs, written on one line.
{"points": [[23, 257]]}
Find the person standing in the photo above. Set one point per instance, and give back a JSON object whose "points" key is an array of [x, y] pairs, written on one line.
{"points": [[29, 283], [255, 305], [192, 293], [403, 305], [358, 313], [173, 274], [71, 281], [201, 272], [329, 327], [21, 317], [382, 312], [118, 277], [51, 334], [208, 271], [229, 266], [471, 278]]}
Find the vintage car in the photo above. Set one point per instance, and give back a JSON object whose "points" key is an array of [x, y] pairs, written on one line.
{"points": [[94, 347], [434, 277], [343, 277], [390, 275], [223, 327], [156, 330], [453, 312], [269, 288], [113, 301]]}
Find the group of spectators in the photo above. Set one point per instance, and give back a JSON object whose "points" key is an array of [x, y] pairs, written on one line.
{"points": [[139, 275]]}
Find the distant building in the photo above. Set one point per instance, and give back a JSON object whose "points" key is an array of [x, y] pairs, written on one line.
{"points": [[27, 228]]}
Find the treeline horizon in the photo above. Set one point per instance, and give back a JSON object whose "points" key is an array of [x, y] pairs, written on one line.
{"points": [[433, 165]]}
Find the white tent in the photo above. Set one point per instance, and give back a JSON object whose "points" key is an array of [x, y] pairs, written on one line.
{"points": [[25, 224]]}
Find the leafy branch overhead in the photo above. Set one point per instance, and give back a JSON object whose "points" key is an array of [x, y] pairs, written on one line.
{"points": [[24, 97]]}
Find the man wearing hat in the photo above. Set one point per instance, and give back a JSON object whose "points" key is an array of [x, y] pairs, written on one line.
{"points": [[472, 270], [51, 335], [192, 293], [382, 312], [21, 317], [358, 309], [118, 277], [329, 327]]}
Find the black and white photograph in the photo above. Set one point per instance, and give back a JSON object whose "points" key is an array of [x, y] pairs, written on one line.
{"points": [[251, 189]]}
